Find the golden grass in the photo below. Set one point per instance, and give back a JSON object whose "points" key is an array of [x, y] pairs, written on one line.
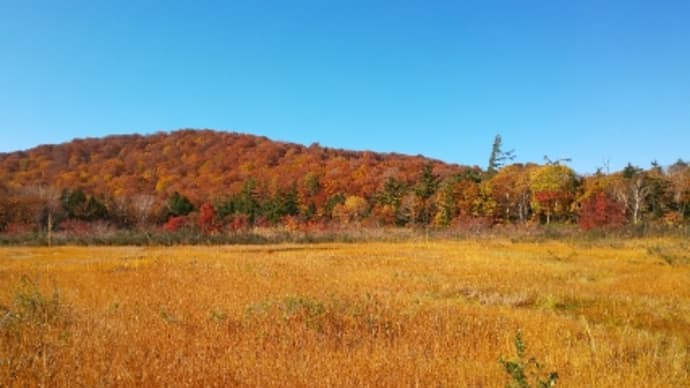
{"points": [[374, 314]]}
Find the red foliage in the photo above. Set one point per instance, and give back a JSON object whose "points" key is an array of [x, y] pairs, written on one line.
{"points": [[554, 203], [545, 196], [175, 223], [207, 217], [600, 211], [549, 198]]}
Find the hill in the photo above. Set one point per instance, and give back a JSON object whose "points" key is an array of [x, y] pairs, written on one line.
{"points": [[130, 179], [204, 164]]}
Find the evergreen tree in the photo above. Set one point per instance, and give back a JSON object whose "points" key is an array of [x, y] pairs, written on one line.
{"points": [[498, 157], [179, 205], [424, 191], [72, 202], [79, 206], [392, 195]]}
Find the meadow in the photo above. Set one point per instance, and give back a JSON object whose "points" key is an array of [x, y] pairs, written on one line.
{"points": [[609, 313]]}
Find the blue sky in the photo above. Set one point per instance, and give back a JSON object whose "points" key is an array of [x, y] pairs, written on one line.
{"points": [[601, 82]]}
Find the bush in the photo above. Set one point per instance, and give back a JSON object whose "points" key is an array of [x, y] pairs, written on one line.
{"points": [[521, 370]]}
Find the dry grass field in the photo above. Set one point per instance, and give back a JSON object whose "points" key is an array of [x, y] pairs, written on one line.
{"points": [[605, 314]]}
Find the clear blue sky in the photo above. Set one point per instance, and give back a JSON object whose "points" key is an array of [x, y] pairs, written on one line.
{"points": [[594, 81]]}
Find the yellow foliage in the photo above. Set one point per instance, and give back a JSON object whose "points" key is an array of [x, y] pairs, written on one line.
{"points": [[353, 209], [163, 183]]}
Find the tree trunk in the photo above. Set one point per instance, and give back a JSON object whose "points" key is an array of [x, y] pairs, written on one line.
{"points": [[50, 229], [636, 212]]}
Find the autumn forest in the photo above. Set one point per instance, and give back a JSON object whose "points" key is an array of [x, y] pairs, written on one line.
{"points": [[187, 259], [220, 183]]}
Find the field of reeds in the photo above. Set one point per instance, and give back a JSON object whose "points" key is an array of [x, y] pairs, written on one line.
{"points": [[610, 313]]}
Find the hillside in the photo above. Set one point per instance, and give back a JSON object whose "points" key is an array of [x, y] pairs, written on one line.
{"points": [[204, 165], [130, 180]]}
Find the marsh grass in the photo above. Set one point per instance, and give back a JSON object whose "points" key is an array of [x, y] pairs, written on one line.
{"points": [[366, 314], [33, 328]]}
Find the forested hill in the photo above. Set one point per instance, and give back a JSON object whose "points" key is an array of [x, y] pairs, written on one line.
{"points": [[218, 181], [206, 165]]}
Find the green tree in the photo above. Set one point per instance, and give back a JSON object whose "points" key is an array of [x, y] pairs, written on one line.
{"points": [[179, 205], [661, 194], [246, 201], [391, 197], [282, 203], [72, 202], [498, 157], [95, 210], [80, 206], [426, 187], [446, 202]]}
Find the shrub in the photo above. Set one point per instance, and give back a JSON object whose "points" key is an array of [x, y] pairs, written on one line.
{"points": [[521, 371]]}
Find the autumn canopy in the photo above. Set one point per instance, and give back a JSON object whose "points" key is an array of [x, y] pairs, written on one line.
{"points": [[220, 182]]}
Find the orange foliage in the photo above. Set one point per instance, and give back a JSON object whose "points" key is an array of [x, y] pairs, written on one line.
{"points": [[202, 164]]}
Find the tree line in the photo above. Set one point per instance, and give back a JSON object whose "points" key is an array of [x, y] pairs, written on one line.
{"points": [[395, 191]]}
